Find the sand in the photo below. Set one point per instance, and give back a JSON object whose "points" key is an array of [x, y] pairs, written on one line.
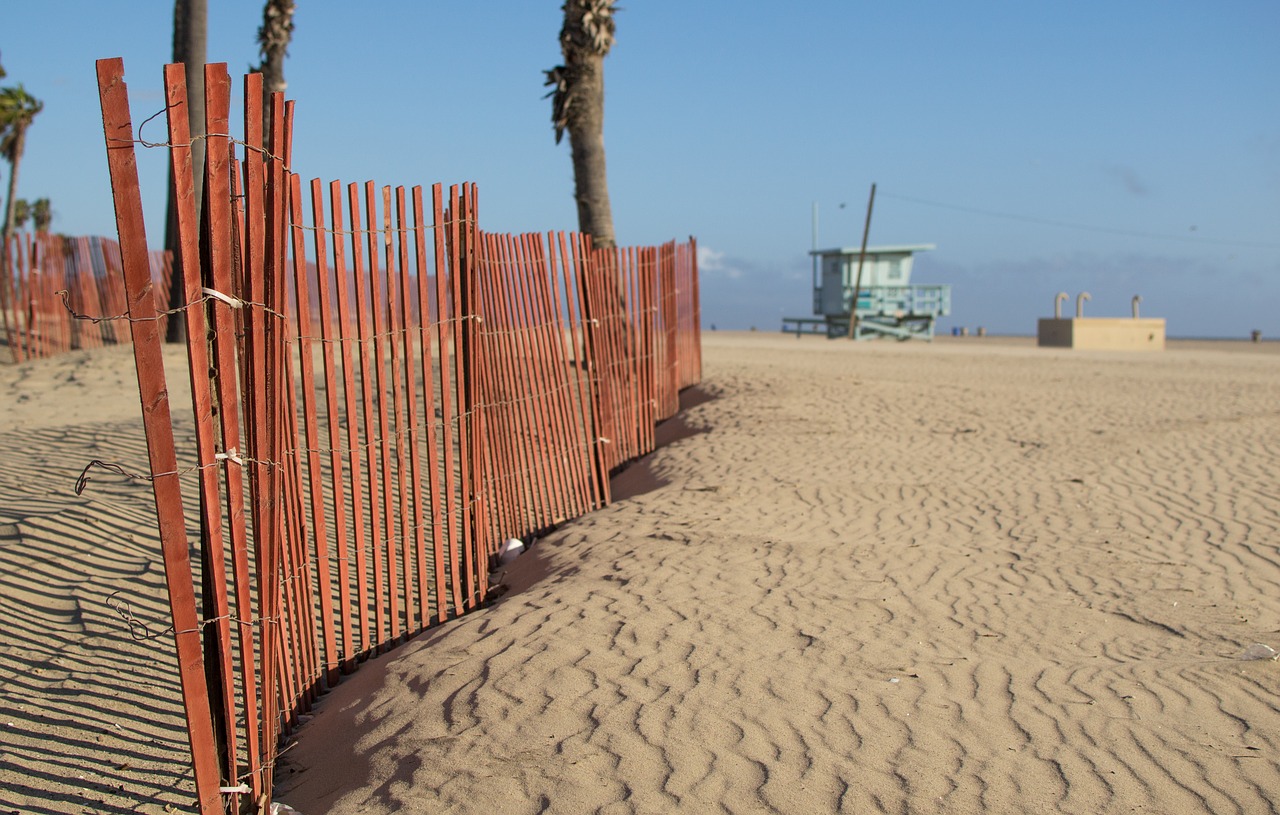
{"points": [[966, 577], [90, 717]]}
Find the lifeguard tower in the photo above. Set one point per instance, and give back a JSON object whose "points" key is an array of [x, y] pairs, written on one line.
{"points": [[888, 305]]}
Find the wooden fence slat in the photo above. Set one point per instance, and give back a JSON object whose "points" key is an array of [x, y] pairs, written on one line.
{"points": [[444, 530], [8, 303], [646, 273], [694, 311], [452, 234], [28, 300], [21, 266], [474, 522], [604, 291]]}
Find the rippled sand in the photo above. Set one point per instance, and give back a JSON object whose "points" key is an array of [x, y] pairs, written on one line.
{"points": [[968, 577], [973, 576]]}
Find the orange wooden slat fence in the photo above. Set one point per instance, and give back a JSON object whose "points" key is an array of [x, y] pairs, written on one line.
{"points": [[55, 277], [383, 393]]}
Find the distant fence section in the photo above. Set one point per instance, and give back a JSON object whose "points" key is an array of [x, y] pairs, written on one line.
{"points": [[383, 394], [53, 277]]}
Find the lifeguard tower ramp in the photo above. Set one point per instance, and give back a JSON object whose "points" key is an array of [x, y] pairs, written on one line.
{"points": [[888, 305]]}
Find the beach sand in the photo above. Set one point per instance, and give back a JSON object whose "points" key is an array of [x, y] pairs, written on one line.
{"points": [[968, 577], [972, 576], [90, 712]]}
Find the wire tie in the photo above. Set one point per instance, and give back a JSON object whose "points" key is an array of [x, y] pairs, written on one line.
{"points": [[234, 302], [230, 455]]}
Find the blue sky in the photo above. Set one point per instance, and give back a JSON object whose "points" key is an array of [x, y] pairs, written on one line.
{"points": [[1120, 147]]}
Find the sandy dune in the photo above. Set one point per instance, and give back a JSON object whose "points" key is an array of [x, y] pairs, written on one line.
{"points": [[967, 577]]}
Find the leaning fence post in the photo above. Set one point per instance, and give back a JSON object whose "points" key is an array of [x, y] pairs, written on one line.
{"points": [[154, 395]]}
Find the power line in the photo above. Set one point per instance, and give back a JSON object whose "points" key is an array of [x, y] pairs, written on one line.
{"points": [[1131, 233]]}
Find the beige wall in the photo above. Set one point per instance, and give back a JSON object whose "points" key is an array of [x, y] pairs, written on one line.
{"points": [[1102, 333]]}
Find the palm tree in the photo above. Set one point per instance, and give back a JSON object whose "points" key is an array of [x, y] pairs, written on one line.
{"points": [[17, 110], [190, 35], [21, 213], [578, 107], [41, 214], [273, 42]]}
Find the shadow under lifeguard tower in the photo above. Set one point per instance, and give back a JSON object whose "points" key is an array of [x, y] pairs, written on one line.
{"points": [[887, 304]]}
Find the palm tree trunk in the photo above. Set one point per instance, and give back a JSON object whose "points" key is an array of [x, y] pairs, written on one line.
{"points": [[586, 140], [19, 142], [273, 41], [7, 293], [578, 107], [190, 35]]}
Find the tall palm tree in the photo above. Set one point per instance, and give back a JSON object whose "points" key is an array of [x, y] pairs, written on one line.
{"points": [[190, 35], [578, 107], [273, 43], [17, 110]]}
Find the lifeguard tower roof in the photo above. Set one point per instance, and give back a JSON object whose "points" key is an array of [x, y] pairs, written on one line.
{"points": [[878, 250]]}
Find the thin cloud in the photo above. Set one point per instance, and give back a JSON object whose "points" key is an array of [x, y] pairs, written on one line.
{"points": [[712, 261]]}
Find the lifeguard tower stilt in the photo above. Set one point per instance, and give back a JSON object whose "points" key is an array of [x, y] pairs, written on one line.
{"points": [[887, 304]]}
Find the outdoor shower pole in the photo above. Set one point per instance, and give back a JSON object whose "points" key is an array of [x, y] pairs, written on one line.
{"points": [[862, 255], [813, 271]]}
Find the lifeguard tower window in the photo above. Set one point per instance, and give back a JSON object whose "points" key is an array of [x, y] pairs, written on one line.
{"points": [[887, 304]]}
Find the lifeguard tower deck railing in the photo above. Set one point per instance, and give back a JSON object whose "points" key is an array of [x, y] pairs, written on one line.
{"points": [[887, 304]]}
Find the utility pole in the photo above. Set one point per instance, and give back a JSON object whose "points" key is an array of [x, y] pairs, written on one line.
{"points": [[862, 255]]}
